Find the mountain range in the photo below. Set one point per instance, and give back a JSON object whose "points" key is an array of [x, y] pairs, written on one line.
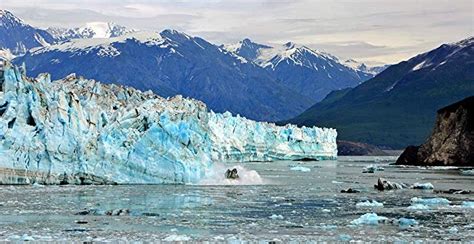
{"points": [[398, 106], [17, 37], [311, 73], [273, 83]]}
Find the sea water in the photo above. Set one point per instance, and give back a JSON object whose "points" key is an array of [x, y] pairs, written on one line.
{"points": [[269, 202]]}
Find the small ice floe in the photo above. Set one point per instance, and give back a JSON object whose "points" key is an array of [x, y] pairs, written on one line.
{"points": [[437, 201], [369, 219], [374, 219], [300, 168], [453, 230], [26, 237], [406, 222], [467, 172], [418, 207], [369, 204], [276, 216], [467, 204], [372, 168], [174, 237], [423, 186], [36, 184], [336, 182], [345, 237]]}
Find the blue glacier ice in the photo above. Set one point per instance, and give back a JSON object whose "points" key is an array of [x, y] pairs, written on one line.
{"points": [[80, 131]]}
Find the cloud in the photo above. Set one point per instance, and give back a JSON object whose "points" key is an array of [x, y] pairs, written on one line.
{"points": [[372, 30]]}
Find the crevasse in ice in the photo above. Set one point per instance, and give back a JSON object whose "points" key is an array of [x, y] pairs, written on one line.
{"points": [[53, 128]]}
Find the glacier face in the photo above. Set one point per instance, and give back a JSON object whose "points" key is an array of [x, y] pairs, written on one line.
{"points": [[68, 130]]}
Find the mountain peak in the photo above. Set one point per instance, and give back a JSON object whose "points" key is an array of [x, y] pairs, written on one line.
{"points": [[7, 18], [289, 45], [173, 34]]}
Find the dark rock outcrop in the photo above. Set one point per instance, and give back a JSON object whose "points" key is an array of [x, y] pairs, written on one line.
{"points": [[452, 140]]}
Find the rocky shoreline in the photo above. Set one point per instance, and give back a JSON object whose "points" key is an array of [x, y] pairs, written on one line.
{"points": [[451, 142]]}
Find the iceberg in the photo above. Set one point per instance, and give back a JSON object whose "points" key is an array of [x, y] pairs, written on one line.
{"points": [[300, 168], [405, 223], [369, 204], [79, 131], [369, 219], [423, 186], [468, 204], [437, 201]]}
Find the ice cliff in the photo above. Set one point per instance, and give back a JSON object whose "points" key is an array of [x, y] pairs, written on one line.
{"points": [[83, 132]]}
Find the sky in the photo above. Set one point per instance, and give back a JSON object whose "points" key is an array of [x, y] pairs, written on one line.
{"points": [[370, 31]]}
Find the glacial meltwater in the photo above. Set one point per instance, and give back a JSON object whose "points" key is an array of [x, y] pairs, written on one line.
{"points": [[274, 201]]}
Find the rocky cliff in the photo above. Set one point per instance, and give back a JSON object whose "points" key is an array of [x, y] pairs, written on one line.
{"points": [[452, 140]]}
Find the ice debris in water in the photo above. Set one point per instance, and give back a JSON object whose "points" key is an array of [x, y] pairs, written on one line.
{"points": [[372, 168], [430, 201], [418, 207], [369, 219], [345, 237], [110, 133], [423, 186], [300, 168], [406, 222], [369, 203], [276, 216], [177, 238], [467, 172], [468, 204]]}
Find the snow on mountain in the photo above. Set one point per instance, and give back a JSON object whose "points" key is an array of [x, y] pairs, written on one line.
{"points": [[171, 63], [80, 131], [90, 30], [18, 37], [399, 103], [358, 66], [313, 73]]}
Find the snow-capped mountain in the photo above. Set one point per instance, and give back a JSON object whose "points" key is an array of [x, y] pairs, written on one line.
{"points": [[374, 70], [171, 63], [16, 37], [90, 30], [78, 131], [397, 107], [311, 72]]}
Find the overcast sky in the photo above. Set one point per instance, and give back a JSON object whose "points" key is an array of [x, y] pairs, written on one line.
{"points": [[367, 30]]}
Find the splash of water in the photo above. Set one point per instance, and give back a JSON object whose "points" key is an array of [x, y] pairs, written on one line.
{"points": [[216, 176]]}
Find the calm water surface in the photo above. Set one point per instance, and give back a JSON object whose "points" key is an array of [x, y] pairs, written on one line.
{"points": [[289, 206]]}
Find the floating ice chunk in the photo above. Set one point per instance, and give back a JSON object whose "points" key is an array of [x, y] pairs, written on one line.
{"points": [[468, 204], [276, 216], [430, 201], [418, 207], [300, 168], [406, 222], [370, 204], [372, 168], [423, 186], [26, 237], [467, 172], [453, 230], [177, 238], [345, 237], [369, 219]]}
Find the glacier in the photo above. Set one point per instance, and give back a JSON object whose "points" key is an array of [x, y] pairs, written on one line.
{"points": [[80, 131]]}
